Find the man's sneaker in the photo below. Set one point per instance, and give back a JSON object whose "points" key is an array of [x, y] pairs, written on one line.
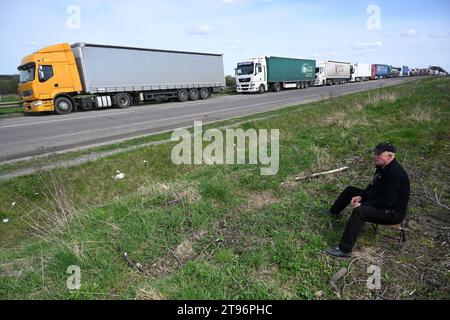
{"points": [[336, 252]]}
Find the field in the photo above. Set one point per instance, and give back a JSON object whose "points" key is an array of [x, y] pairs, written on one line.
{"points": [[226, 232]]}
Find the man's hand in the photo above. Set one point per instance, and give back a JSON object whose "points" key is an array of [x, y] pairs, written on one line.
{"points": [[356, 201]]}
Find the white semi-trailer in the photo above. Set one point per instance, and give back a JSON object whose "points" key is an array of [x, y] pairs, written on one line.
{"points": [[332, 72], [361, 72]]}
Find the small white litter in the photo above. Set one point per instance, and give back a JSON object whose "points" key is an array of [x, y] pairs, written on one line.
{"points": [[119, 175], [144, 162], [5, 220], [13, 204]]}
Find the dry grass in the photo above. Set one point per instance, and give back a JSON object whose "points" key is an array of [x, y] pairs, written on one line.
{"points": [[323, 158], [173, 191], [149, 294], [64, 208], [380, 96], [420, 114]]}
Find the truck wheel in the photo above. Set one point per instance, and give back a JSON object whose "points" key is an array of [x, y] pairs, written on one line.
{"points": [[63, 105], [194, 95], [204, 93], [123, 100], [262, 89], [183, 95]]}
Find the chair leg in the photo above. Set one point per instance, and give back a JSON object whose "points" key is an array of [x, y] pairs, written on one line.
{"points": [[375, 230], [402, 233]]}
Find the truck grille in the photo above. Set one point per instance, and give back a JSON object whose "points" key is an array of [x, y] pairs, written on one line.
{"points": [[244, 80]]}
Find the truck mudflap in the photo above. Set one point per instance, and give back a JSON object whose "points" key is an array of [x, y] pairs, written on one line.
{"points": [[38, 106]]}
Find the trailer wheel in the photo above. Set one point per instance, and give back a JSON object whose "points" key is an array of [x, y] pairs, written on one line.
{"points": [[194, 95], [183, 95], [63, 105], [262, 89], [123, 100], [204, 93]]}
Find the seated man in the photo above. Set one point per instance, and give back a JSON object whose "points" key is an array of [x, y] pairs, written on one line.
{"points": [[384, 201]]}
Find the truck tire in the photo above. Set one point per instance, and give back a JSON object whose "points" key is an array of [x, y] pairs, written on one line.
{"points": [[276, 87], [194, 95], [262, 89], [123, 100], [183, 95], [204, 93], [63, 105]]}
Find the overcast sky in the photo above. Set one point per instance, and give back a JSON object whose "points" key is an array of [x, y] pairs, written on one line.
{"points": [[413, 33]]}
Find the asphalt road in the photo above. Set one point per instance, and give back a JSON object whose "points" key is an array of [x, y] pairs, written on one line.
{"points": [[34, 135]]}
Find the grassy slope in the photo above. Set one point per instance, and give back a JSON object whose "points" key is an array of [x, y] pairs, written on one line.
{"points": [[9, 98], [9, 111], [235, 233]]}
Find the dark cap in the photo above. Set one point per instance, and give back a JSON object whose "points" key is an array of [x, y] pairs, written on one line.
{"points": [[384, 146]]}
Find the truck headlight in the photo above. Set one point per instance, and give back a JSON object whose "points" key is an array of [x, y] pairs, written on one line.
{"points": [[36, 103]]}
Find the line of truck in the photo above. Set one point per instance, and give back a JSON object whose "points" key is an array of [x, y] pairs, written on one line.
{"points": [[64, 78], [275, 73]]}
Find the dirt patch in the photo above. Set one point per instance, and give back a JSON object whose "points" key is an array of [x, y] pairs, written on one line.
{"points": [[260, 199], [14, 268], [185, 250], [176, 257], [148, 294]]}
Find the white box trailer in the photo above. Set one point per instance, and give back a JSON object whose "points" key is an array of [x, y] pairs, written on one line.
{"points": [[333, 72], [110, 69], [361, 71], [145, 74]]}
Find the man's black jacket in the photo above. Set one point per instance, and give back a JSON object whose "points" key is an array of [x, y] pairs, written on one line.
{"points": [[389, 189]]}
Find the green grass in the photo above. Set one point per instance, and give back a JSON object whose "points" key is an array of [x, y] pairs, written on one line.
{"points": [[9, 98], [10, 111], [225, 232]]}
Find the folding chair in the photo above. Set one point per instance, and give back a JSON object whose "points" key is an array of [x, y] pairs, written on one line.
{"points": [[401, 227]]}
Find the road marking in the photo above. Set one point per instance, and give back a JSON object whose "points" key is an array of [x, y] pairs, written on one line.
{"points": [[66, 119], [158, 120]]}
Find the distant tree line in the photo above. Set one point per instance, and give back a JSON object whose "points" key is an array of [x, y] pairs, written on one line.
{"points": [[8, 84]]}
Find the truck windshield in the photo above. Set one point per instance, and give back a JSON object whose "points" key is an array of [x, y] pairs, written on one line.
{"points": [[244, 69], [27, 72]]}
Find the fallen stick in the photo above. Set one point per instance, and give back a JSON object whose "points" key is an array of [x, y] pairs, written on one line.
{"points": [[335, 278], [314, 175], [435, 199], [133, 264]]}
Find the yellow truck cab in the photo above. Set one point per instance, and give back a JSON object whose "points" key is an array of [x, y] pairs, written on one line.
{"points": [[47, 75]]}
